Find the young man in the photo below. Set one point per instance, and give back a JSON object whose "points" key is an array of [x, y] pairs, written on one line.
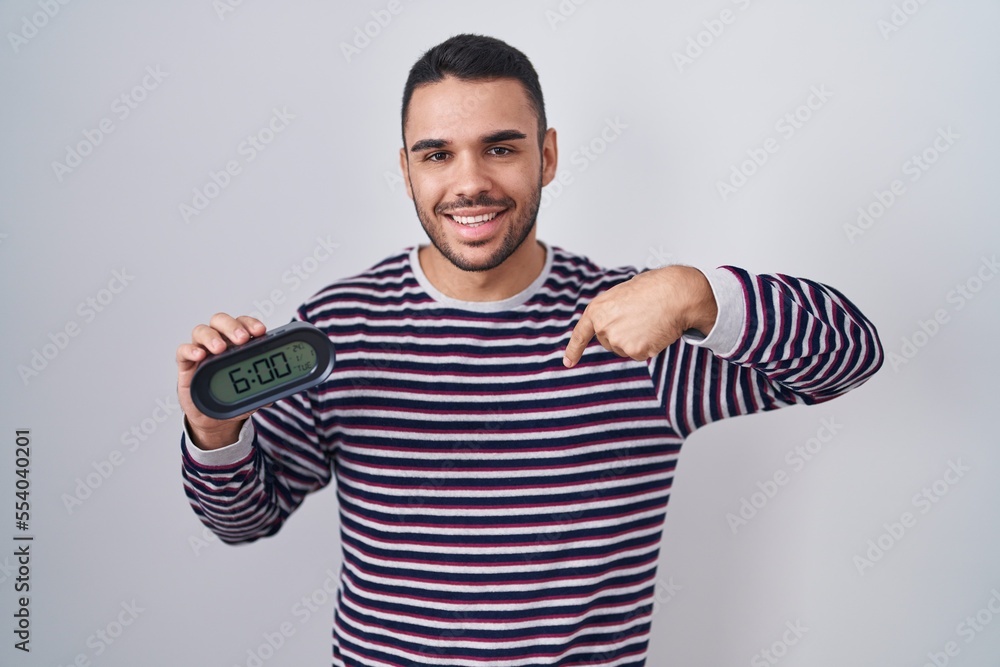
{"points": [[503, 476]]}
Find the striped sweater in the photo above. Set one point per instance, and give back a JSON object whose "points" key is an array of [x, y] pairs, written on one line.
{"points": [[496, 508]]}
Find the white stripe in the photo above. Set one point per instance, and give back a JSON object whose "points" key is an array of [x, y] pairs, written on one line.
{"points": [[470, 451], [500, 473], [480, 607], [484, 588], [510, 625], [489, 568], [494, 644], [486, 436], [478, 380], [434, 398], [610, 485], [475, 419], [407, 526], [600, 541]]}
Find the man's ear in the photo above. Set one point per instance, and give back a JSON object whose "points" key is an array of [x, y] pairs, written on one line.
{"points": [[404, 167], [550, 156]]}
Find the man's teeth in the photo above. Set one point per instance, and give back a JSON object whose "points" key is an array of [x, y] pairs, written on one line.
{"points": [[474, 220]]}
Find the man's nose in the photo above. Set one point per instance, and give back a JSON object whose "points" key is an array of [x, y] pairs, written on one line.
{"points": [[472, 176]]}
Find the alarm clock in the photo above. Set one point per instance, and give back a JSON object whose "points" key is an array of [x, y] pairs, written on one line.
{"points": [[282, 362]]}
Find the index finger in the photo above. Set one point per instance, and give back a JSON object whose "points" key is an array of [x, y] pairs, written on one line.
{"points": [[582, 334], [237, 329]]}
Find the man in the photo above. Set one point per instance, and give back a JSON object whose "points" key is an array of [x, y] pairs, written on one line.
{"points": [[502, 476]]}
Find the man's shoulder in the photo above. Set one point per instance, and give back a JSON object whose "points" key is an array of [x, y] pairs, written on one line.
{"points": [[570, 267], [388, 280]]}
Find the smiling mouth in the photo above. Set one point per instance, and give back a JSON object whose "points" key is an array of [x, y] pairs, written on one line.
{"points": [[476, 220]]}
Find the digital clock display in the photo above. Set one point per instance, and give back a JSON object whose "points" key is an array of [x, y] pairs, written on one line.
{"points": [[282, 362], [257, 374]]}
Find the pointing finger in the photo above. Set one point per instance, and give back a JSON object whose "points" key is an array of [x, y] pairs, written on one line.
{"points": [[582, 334]]}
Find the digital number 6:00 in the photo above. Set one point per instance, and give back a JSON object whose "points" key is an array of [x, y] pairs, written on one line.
{"points": [[271, 365]]}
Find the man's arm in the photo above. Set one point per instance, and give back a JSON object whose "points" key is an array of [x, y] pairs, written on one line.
{"points": [[776, 340], [244, 488]]}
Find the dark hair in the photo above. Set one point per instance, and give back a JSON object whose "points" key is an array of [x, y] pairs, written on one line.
{"points": [[471, 58]]}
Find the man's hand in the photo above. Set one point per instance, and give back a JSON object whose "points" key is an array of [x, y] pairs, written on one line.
{"points": [[645, 315], [205, 340]]}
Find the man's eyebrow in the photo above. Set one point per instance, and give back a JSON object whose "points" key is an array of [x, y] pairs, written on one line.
{"points": [[496, 137], [424, 144], [504, 135]]}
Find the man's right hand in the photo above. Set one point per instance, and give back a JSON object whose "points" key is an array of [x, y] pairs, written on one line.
{"points": [[213, 338]]}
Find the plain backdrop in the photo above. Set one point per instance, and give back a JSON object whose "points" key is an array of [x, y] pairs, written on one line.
{"points": [[115, 115]]}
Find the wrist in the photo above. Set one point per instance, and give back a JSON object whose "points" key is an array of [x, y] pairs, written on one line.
{"points": [[215, 437], [702, 310]]}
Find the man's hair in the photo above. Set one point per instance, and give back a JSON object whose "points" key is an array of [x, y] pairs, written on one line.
{"points": [[471, 58]]}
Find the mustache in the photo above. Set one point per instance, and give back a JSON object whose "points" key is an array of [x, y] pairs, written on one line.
{"points": [[483, 200]]}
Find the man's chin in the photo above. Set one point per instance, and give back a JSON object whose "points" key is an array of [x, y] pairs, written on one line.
{"points": [[478, 255], [477, 263]]}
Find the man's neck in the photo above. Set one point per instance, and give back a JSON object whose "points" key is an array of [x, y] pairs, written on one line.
{"points": [[510, 278]]}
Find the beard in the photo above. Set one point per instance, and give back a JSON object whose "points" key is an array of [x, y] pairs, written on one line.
{"points": [[518, 225]]}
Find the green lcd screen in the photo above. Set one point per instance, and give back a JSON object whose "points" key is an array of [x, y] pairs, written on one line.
{"points": [[257, 374]]}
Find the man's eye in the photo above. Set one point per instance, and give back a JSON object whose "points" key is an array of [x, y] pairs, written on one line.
{"points": [[506, 151], [433, 157]]}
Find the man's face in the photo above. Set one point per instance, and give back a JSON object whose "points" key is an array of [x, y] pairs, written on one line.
{"points": [[473, 168]]}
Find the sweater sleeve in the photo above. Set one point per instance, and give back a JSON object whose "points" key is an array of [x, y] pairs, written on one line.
{"points": [[778, 341], [247, 490]]}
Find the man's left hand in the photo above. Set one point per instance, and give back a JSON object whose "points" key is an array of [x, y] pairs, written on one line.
{"points": [[643, 316]]}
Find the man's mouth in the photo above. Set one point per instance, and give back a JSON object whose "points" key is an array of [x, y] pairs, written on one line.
{"points": [[475, 220]]}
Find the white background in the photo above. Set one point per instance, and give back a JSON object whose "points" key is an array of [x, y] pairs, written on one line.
{"points": [[650, 197]]}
